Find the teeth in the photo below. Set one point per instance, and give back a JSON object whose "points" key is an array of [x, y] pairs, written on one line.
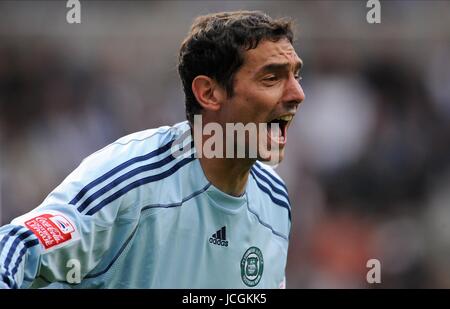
{"points": [[286, 118]]}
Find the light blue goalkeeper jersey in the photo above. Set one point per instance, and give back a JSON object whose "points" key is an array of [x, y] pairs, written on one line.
{"points": [[140, 213]]}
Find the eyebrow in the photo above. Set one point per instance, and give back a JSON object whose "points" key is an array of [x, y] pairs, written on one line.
{"points": [[280, 66]]}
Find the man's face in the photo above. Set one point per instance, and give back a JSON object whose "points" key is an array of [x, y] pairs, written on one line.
{"points": [[267, 91]]}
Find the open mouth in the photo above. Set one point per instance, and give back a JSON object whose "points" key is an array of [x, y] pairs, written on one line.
{"points": [[277, 129]]}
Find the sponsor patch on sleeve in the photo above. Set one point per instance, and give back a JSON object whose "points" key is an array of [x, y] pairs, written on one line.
{"points": [[53, 229]]}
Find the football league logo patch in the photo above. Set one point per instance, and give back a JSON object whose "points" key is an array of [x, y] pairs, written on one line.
{"points": [[51, 229]]}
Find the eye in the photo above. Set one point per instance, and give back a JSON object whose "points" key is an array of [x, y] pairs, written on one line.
{"points": [[270, 78], [298, 77]]}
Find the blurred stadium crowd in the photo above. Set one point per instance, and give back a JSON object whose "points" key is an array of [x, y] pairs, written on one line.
{"points": [[368, 158]]}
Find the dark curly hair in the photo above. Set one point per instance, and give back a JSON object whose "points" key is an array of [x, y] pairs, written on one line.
{"points": [[216, 44]]}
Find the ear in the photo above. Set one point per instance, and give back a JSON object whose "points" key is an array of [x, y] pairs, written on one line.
{"points": [[208, 93]]}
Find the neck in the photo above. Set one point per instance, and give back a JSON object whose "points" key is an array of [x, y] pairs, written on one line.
{"points": [[228, 175]]}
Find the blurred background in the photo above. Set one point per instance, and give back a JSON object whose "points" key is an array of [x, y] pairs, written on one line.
{"points": [[368, 160]]}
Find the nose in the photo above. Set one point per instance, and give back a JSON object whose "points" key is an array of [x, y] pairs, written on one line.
{"points": [[293, 92]]}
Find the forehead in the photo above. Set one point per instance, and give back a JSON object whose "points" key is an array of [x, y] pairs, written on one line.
{"points": [[267, 52]]}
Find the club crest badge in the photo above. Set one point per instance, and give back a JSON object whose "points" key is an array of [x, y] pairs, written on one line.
{"points": [[252, 266]]}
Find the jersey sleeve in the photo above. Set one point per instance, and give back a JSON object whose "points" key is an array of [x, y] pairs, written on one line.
{"points": [[60, 241]]}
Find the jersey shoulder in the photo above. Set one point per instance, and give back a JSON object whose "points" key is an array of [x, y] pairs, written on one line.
{"points": [[113, 173], [274, 209], [267, 175], [273, 174], [135, 144], [130, 150]]}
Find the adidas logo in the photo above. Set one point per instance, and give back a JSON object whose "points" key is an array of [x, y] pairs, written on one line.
{"points": [[219, 237]]}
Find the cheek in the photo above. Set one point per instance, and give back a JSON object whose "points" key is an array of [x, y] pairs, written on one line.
{"points": [[263, 102], [255, 103]]}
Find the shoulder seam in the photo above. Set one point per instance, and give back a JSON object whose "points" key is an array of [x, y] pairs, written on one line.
{"points": [[265, 224]]}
